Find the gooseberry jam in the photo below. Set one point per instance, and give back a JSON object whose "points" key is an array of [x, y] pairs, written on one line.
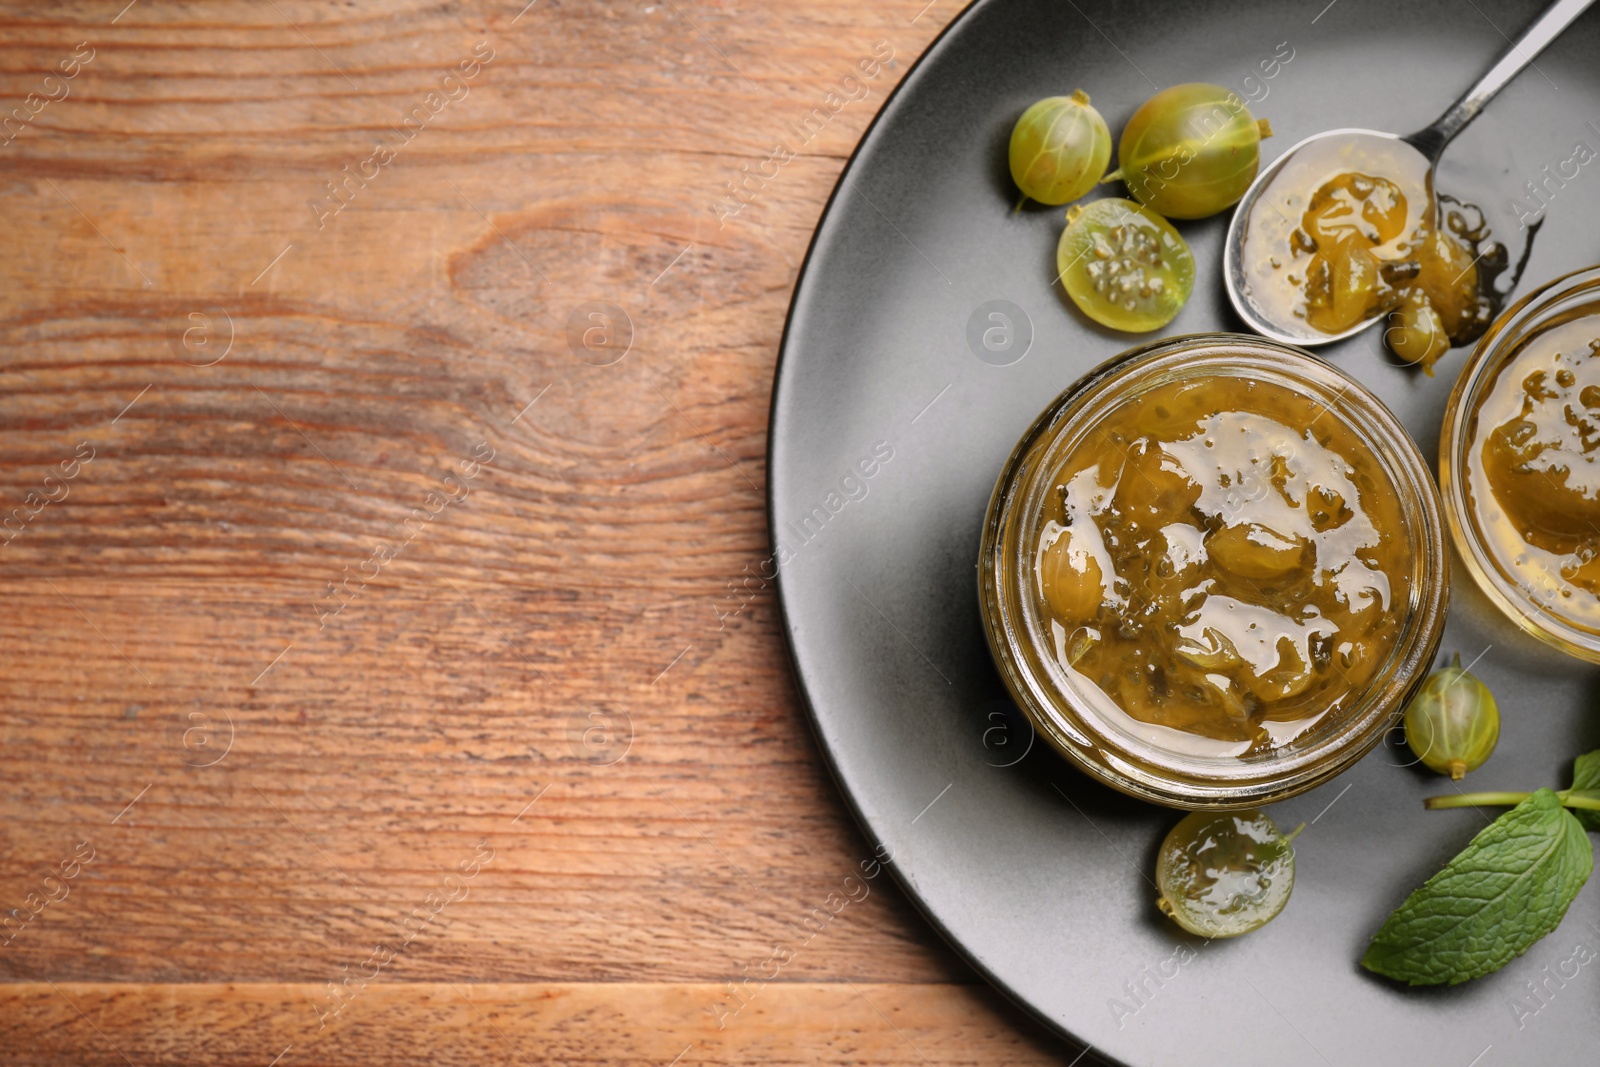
{"points": [[1521, 463], [1347, 229], [1218, 569], [1212, 570]]}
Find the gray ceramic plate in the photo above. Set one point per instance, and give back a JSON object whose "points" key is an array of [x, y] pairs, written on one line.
{"points": [[1039, 877]]}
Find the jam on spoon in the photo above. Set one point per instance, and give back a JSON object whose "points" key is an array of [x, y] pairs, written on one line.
{"points": [[1328, 168]]}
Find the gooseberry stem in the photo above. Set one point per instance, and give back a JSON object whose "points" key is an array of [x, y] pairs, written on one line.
{"points": [[1018, 209], [1584, 799]]}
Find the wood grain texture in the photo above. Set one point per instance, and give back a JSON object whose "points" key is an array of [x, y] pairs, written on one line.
{"points": [[789, 1023], [227, 409]]}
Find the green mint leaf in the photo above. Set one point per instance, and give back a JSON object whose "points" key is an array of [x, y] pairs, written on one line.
{"points": [[1586, 775], [1508, 888]]}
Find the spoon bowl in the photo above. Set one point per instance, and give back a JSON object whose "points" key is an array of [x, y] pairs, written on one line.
{"points": [[1270, 209]]}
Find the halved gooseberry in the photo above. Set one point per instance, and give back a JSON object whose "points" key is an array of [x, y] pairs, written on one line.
{"points": [[1225, 873], [1124, 265]]}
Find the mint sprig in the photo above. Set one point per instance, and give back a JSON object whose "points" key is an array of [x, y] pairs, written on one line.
{"points": [[1508, 888], [1586, 777]]}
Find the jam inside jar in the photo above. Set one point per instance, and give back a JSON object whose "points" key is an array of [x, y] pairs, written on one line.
{"points": [[1520, 463], [1213, 570], [1222, 557]]}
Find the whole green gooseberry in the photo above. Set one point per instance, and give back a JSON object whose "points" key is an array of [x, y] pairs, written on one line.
{"points": [[1059, 149], [1452, 724], [1190, 151]]}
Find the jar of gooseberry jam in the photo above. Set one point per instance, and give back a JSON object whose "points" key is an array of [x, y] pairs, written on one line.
{"points": [[1213, 572], [1519, 463]]}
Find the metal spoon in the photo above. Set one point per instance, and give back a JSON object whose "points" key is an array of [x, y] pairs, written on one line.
{"points": [[1417, 154]]}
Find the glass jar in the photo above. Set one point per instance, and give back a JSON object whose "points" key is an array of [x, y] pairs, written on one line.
{"points": [[1089, 692], [1514, 466]]}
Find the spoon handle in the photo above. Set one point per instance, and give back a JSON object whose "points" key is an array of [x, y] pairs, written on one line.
{"points": [[1432, 141]]}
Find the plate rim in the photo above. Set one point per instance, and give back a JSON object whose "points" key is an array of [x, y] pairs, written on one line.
{"points": [[824, 220]]}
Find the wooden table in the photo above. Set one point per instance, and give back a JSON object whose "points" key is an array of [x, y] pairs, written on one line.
{"points": [[381, 681]]}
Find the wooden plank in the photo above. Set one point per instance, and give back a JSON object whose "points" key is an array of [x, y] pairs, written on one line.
{"points": [[368, 764], [473, 1023], [277, 666]]}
